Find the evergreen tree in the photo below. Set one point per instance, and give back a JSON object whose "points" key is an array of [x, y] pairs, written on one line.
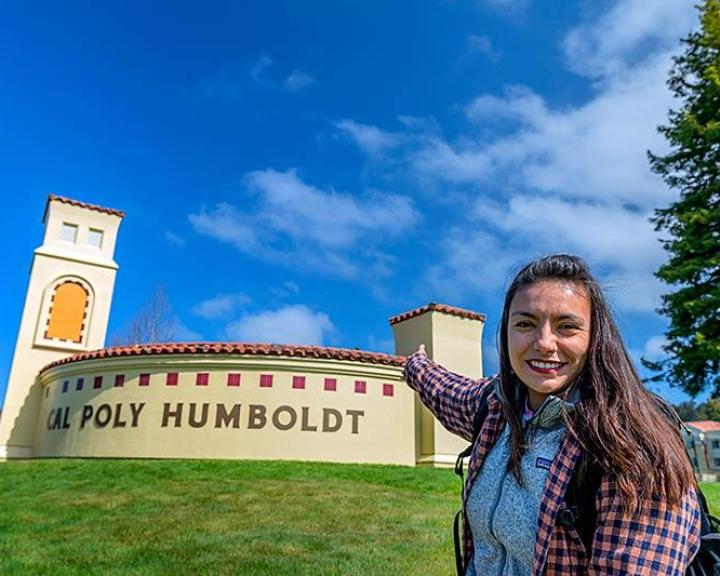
{"points": [[710, 410], [687, 411], [693, 222]]}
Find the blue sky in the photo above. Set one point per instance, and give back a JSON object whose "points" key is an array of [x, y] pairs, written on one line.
{"points": [[300, 171]]}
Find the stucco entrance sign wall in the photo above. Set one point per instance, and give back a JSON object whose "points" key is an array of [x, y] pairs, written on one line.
{"points": [[228, 401]]}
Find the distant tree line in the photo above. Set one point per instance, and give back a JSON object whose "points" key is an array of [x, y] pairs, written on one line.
{"points": [[709, 410]]}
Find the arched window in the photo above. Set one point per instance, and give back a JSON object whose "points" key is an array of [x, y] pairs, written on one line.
{"points": [[68, 308]]}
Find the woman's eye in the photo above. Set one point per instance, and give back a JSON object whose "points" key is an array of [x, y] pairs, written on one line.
{"points": [[568, 327], [523, 324]]}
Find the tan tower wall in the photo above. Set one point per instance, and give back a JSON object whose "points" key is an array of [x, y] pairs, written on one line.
{"points": [[453, 341], [57, 261]]}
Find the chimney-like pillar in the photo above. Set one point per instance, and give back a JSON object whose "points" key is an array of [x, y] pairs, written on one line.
{"points": [[453, 338]]}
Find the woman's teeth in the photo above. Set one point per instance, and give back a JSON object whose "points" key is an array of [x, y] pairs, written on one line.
{"points": [[545, 365]]}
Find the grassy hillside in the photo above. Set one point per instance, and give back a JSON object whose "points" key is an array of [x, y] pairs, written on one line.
{"points": [[223, 517], [226, 517]]}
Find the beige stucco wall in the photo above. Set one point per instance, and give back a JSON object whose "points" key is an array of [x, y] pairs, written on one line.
{"points": [[375, 428]]}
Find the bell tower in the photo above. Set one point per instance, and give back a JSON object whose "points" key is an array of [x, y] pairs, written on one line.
{"points": [[66, 308]]}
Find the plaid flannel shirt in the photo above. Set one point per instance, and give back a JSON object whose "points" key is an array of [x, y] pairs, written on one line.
{"points": [[657, 540]]}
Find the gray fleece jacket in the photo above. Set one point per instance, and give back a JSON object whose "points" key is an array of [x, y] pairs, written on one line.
{"points": [[501, 513]]}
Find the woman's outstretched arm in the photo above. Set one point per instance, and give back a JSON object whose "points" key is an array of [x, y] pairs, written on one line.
{"points": [[452, 398]]}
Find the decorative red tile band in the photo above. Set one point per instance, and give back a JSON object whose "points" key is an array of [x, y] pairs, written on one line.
{"points": [[299, 382]]}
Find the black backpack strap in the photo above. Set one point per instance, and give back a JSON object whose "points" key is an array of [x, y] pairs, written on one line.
{"points": [[580, 511], [478, 421], [459, 564]]}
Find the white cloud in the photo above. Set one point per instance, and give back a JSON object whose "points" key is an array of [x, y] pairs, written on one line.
{"points": [[182, 333], [519, 104], [286, 290], [300, 225], [225, 223], [298, 80], [259, 70], [598, 230], [624, 36], [220, 306], [654, 347], [594, 151], [327, 218], [385, 345], [473, 261], [174, 239], [293, 82], [482, 45], [296, 324], [369, 138]]}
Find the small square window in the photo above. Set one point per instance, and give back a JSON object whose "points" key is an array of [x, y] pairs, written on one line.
{"points": [[388, 390], [266, 380], [95, 238], [79, 384], [66, 383], [233, 379], [69, 232], [298, 382], [171, 379], [98, 382], [144, 380], [360, 387], [202, 379], [119, 380], [330, 384]]}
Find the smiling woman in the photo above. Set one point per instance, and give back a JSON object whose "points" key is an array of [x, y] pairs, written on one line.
{"points": [[567, 412]]}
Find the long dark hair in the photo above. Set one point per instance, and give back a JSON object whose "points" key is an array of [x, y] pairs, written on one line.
{"points": [[617, 422]]}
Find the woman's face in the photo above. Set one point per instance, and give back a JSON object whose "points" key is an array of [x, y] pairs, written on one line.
{"points": [[548, 336]]}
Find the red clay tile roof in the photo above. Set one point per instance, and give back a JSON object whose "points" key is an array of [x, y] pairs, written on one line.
{"points": [[444, 308], [71, 202], [705, 425], [354, 355]]}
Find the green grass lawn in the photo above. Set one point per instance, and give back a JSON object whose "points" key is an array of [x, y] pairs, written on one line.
{"points": [[712, 493], [227, 517], [224, 517]]}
